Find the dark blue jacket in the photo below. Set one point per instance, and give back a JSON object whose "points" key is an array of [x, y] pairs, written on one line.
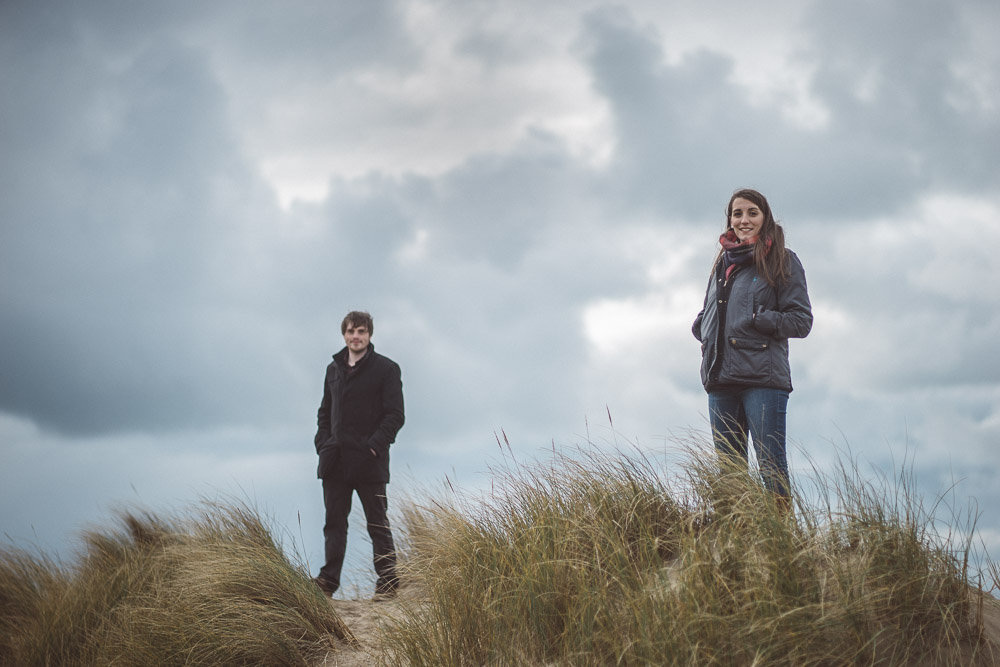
{"points": [[361, 412], [759, 320]]}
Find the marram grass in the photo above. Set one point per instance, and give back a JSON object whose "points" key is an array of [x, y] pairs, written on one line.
{"points": [[594, 559], [210, 589], [589, 559]]}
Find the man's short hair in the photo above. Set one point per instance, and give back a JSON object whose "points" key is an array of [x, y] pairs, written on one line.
{"points": [[357, 318]]}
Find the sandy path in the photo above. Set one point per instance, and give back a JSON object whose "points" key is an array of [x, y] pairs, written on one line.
{"points": [[363, 618]]}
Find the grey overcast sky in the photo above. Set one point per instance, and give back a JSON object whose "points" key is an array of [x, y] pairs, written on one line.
{"points": [[527, 196]]}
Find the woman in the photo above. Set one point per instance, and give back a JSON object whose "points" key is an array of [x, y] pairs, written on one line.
{"points": [[756, 301]]}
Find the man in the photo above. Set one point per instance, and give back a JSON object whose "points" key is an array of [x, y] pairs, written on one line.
{"points": [[361, 412]]}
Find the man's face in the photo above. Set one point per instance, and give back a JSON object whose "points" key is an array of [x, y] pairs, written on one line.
{"points": [[357, 337]]}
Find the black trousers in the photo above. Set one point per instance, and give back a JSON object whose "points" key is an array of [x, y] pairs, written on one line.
{"points": [[337, 498]]}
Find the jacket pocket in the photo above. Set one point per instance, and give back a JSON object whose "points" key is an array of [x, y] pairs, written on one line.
{"points": [[329, 461], [748, 358]]}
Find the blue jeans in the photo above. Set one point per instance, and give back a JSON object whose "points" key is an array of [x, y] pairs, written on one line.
{"points": [[760, 412]]}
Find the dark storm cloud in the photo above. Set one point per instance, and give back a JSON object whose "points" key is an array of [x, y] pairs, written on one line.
{"points": [[673, 125], [890, 75], [123, 228], [485, 266], [687, 132], [499, 207]]}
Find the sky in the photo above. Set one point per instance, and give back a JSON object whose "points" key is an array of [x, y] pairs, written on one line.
{"points": [[526, 196]]}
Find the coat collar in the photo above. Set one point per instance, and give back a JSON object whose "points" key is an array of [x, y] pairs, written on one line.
{"points": [[341, 357]]}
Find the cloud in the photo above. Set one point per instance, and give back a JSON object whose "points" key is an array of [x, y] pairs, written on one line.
{"points": [[925, 324], [126, 248], [689, 129], [914, 104]]}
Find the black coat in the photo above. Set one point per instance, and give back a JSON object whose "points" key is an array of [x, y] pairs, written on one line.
{"points": [[361, 412], [759, 320]]}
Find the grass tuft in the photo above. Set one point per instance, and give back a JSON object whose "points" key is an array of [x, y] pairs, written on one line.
{"points": [[211, 588], [595, 559]]}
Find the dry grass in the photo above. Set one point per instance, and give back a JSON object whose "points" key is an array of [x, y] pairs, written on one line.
{"points": [[589, 559], [594, 559], [213, 588]]}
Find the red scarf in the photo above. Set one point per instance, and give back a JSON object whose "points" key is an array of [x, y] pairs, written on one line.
{"points": [[736, 252]]}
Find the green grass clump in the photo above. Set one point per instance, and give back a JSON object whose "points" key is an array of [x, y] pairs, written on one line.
{"points": [[213, 588], [597, 560]]}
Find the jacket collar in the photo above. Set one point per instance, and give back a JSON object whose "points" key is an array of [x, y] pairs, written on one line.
{"points": [[342, 356]]}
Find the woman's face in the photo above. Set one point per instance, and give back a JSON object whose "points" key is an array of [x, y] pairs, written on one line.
{"points": [[746, 219]]}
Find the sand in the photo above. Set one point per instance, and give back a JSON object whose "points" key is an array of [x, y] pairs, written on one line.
{"points": [[363, 618]]}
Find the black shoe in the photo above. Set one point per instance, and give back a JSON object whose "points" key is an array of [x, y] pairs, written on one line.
{"points": [[383, 596], [328, 587], [386, 588]]}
